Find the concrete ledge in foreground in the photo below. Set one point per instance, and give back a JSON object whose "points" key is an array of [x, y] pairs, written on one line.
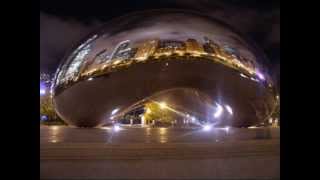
{"points": [[252, 159]]}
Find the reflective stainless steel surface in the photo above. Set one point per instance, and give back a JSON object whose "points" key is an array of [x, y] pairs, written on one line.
{"points": [[176, 54]]}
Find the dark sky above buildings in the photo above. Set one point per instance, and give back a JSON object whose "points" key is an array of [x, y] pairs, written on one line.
{"points": [[64, 23]]}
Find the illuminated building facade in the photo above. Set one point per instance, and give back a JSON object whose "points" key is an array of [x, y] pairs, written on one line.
{"points": [[44, 77], [193, 47], [120, 48], [169, 47], [99, 76], [208, 49], [210, 46], [146, 49], [102, 57]]}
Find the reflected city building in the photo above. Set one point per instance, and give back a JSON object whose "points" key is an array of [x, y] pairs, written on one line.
{"points": [[204, 70]]}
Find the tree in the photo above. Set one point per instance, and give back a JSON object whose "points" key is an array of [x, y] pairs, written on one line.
{"points": [[160, 114], [276, 113], [47, 109]]}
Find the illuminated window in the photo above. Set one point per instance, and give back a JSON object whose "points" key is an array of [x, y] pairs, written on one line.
{"points": [[74, 67], [74, 62]]}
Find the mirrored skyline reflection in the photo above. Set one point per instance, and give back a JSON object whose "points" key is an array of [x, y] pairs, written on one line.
{"points": [[136, 56], [172, 26]]}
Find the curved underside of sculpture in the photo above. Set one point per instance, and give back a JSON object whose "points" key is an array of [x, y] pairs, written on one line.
{"points": [[90, 103]]}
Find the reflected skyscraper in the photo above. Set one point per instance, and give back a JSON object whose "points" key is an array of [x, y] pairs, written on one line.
{"points": [[146, 49], [199, 70]]}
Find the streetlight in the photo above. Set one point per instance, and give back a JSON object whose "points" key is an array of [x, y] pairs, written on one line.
{"points": [[227, 129], [116, 128], [44, 118], [207, 127], [219, 111], [260, 75], [42, 91], [148, 111], [143, 120], [229, 109], [163, 105], [244, 76], [193, 119], [115, 111]]}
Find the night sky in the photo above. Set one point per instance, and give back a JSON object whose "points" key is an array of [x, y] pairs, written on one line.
{"points": [[64, 23]]}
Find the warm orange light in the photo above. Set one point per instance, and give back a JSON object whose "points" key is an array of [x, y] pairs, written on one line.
{"points": [[163, 105]]}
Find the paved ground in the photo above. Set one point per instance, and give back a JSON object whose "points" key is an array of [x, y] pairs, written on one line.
{"points": [[149, 153], [61, 134]]}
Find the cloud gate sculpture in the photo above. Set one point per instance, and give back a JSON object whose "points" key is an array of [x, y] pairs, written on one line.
{"points": [[199, 67]]}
